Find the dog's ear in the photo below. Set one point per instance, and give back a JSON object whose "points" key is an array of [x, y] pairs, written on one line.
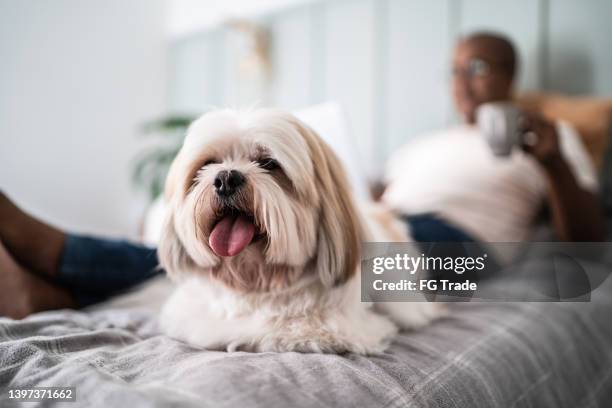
{"points": [[171, 253], [340, 228]]}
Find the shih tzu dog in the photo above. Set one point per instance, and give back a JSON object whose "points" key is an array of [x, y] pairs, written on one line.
{"points": [[263, 237]]}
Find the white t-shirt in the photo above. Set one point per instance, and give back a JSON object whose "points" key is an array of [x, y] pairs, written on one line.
{"points": [[453, 173]]}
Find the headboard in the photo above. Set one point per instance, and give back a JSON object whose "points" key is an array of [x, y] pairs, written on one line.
{"points": [[592, 117]]}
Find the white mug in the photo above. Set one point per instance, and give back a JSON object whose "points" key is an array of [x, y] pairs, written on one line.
{"points": [[499, 124]]}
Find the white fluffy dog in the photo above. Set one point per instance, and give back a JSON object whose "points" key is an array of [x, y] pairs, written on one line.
{"points": [[264, 239]]}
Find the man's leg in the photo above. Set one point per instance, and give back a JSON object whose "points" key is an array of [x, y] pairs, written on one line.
{"points": [[428, 229], [35, 245], [92, 269], [23, 293], [95, 268]]}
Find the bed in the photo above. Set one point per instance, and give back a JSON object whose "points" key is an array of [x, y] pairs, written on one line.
{"points": [[480, 355]]}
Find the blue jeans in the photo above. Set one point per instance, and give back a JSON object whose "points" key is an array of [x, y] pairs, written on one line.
{"points": [[431, 228], [94, 269]]}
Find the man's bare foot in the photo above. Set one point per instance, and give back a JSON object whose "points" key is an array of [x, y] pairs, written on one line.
{"points": [[22, 293], [35, 245]]}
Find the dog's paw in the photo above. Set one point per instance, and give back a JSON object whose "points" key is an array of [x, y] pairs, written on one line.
{"points": [[313, 344], [372, 335]]}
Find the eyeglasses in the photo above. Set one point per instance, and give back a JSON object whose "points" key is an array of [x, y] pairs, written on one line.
{"points": [[476, 68]]}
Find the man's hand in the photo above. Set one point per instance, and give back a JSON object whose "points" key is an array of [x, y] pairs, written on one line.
{"points": [[576, 213], [540, 139]]}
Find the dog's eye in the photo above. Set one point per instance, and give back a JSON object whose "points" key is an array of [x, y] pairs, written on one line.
{"points": [[268, 164]]}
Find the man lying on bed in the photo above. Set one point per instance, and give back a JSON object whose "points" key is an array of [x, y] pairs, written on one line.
{"points": [[448, 186]]}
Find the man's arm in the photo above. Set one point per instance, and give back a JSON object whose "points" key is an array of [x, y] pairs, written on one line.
{"points": [[576, 213]]}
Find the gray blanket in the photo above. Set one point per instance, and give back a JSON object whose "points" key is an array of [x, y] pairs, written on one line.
{"points": [[482, 355]]}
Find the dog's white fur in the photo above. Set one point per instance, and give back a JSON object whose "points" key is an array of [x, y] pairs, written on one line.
{"points": [[298, 287]]}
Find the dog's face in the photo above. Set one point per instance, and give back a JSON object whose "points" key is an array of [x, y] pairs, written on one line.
{"points": [[257, 200]]}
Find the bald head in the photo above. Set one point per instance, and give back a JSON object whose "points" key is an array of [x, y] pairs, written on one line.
{"points": [[484, 66], [499, 49]]}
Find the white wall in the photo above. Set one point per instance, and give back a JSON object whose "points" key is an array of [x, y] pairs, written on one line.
{"points": [[77, 79], [388, 61], [187, 17]]}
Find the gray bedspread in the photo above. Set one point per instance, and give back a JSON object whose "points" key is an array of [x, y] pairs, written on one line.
{"points": [[481, 355]]}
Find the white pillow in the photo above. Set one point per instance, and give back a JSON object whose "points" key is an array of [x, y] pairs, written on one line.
{"points": [[328, 120]]}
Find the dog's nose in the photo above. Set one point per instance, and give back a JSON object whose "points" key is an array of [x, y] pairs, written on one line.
{"points": [[227, 182]]}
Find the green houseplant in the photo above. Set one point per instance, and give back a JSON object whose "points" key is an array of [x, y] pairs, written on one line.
{"points": [[152, 164]]}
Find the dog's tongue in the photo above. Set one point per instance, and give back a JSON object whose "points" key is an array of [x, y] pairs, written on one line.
{"points": [[231, 235]]}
